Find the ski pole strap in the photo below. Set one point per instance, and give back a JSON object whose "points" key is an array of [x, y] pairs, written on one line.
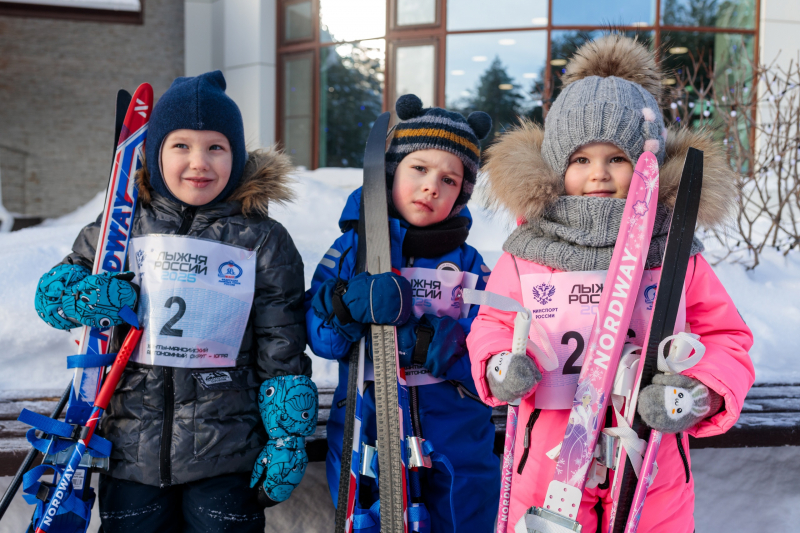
{"points": [[437, 457], [62, 429], [680, 358], [90, 360]]}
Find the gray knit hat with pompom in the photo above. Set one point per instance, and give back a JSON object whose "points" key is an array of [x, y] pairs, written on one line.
{"points": [[611, 92]]}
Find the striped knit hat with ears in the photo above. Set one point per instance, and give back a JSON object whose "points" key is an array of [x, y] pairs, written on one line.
{"points": [[611, 91], [438, 129]]}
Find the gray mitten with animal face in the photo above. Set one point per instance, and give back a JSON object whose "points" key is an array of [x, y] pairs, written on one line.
{"points": [[511, 376], [675, 403]]}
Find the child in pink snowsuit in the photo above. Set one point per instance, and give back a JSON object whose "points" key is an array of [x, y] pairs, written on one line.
{"points": [[567, 186]]}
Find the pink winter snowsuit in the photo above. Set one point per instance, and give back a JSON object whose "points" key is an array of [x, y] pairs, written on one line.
{"points": [[726, 368]]}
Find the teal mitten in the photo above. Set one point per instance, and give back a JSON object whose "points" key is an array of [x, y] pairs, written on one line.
{"points": [[54, 295], [288, 406], [98, 299]]}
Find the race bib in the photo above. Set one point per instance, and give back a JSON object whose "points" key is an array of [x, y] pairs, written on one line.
{"points": [[195, 300], [434, 292], [565, 304], [438, 292]]}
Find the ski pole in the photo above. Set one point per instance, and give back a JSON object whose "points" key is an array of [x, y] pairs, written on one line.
{"points": [[13, 487], [100, 404]]}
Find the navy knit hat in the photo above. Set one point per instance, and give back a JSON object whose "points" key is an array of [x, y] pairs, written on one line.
{"points": [[438, 129], [197, 103]]}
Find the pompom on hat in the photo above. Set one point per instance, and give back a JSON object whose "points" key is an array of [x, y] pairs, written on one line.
{"points": [[612, 88], [196, 103], [435, 128]]}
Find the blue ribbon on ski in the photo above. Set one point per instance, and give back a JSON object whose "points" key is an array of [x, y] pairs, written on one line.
{"points": [[71, 504], [368, 520], [90, 360], [100, 446]]}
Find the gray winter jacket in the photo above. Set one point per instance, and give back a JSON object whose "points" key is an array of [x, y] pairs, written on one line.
{"points": [[166, 424]]}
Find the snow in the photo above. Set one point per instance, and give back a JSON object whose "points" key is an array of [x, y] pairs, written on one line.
{"points": [[746, 489], [737, 490]]}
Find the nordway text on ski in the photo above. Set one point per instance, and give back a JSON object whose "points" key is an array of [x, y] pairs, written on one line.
{"points": [[616, 307]]}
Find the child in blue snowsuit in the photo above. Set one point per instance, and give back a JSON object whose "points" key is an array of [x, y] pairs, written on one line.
{"points": [[431, 167]]}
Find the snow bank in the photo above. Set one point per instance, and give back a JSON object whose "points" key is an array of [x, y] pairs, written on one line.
{"points": [[33, 353]]}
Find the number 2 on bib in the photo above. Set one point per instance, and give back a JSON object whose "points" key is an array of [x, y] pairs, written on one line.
{"points": [[167, 329]]}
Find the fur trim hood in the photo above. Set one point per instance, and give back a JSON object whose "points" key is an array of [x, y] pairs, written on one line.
{"points": [[266, 178], [518, 178]]}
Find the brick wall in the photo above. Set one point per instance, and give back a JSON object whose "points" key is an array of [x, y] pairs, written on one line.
{"points": [[58, 84]]}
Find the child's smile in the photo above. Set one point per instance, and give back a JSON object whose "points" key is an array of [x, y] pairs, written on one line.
{"points": [[426, 186], [196, 165]]}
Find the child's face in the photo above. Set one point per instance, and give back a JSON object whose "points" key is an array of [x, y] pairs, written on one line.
{"points": [[601, 170], [426, 186], [196, 165]]}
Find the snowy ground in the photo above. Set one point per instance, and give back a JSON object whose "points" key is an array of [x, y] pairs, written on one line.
{"points": [[33, 353]]}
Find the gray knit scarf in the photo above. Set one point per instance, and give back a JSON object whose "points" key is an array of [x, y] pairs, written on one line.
{"points": [[578, 233]]}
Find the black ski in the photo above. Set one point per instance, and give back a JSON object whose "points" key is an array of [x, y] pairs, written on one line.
{"points": [[665, 311]]}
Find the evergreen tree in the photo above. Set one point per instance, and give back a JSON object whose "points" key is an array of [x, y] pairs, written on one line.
{"points": [[350, 100], [498, 95]]}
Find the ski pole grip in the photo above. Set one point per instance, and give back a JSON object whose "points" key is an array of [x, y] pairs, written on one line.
{"points": [[112, 379], [522, 325]]}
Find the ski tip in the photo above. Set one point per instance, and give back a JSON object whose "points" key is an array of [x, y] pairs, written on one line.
{"points": [[123, 99], [139, 110], [645, 160]]}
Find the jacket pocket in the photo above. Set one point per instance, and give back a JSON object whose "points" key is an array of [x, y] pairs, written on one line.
{"points": [[226, 420], [123, 423]]}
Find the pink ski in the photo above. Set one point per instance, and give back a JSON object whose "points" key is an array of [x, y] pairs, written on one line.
{"points": [[645, 480], [508, 468], [559, 511]]}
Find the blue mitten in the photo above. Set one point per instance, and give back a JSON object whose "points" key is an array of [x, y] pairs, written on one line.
{"points": [[98, 299], [323, 307], [54, 289], [379, 299], [288, 406], [435, 342], [674, 403]]}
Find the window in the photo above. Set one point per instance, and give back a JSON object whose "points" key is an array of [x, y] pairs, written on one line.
{"points": [[506, 57]]}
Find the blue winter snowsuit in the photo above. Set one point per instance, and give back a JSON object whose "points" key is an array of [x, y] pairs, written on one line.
{"points": [[452, 417]]}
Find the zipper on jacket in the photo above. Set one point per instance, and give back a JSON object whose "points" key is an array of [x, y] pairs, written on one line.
{"points": [[686, 469], [527, 441], [416, 422], [465, 392], [165, 466]]}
